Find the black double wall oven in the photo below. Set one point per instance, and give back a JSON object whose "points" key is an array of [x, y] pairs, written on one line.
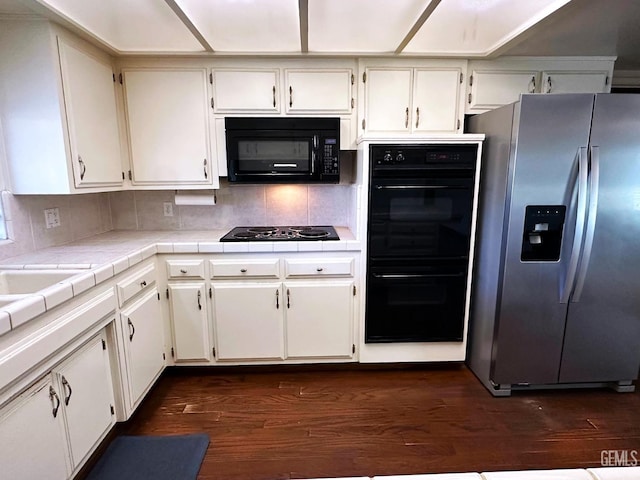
{"points": [[420, 222]]}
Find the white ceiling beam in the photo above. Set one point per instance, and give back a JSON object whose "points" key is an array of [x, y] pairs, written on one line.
{"points": [[189, 24], [303, 11], [418, 25]]}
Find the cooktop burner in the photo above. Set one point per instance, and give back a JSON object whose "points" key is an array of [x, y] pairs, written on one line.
{"points": [[267, 234]]}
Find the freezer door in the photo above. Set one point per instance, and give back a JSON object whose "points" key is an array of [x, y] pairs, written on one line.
{"points": [[602, 340], [544, 172]]}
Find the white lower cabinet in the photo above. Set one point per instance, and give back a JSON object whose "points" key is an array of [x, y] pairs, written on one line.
{"points": [[57, 423], [34, 438], [319, 319], [190, 322], [143, 332], [248, 321]]}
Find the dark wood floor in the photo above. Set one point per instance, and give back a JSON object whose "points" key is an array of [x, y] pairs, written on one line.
{"points": [[269, 424]]}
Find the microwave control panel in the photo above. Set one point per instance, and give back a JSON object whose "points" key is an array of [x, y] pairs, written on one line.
{"points": [[330, 157]]}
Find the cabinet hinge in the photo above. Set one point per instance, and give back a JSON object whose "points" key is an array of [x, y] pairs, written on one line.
{"points": [[211, 102], [363, 123], [606, 80], [210, 293], [364, 77], [461, 78], [104, 344], [458, 124], [158, 295], [214, 352], [167, 292], [353, 348], [120, 78], [353, 79], [469, 99], [211, 78], [354, 290], [353, 102], [130, 176], [173, 353], [471, 80], [112, 410]]}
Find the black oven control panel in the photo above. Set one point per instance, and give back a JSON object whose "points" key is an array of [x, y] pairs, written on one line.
{"points": [[412, 157]]}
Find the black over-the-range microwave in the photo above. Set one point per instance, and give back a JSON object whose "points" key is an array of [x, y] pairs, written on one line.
{"points": [[283, 149]]}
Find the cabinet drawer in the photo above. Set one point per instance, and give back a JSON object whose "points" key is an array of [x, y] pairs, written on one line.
{"points": [[185, 269], [267, 268], [137, 282], [320, 267]]}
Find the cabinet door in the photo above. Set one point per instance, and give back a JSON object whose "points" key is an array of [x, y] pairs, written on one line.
{"points": [[144, 343], [84, 383], [435, 100], [388, 99], [318, 91], [168, 119], [90, 102], [574, 82], [189, 321], [492, 89], [248, 321], [242, 91], [319, 319], [33, 443]]}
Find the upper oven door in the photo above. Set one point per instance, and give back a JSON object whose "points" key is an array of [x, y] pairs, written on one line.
{"points": [[425, 218], [254, 155]]}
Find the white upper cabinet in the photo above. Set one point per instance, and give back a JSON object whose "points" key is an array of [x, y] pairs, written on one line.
{"points": [[318, 91], [500, 82], [401, 99], [245, 90], [89, 94], [58, 112], [168, 121]]}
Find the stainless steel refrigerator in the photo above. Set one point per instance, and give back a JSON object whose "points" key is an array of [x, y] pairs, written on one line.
{"points": [[556, 295]]}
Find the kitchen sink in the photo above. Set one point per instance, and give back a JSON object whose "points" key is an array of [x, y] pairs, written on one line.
{"points": [[17, 284]]}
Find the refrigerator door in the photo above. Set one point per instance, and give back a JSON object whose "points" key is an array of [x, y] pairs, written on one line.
{"points": [[549, 131], [602, 340]]}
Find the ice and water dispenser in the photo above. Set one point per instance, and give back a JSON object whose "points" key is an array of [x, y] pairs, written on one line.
{"points": [[542, 235]]}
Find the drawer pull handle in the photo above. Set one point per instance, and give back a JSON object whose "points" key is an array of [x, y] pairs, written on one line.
{"points": [[65, 385], [132, 329], [182, 270], [52, 395], [243, 270], [143, 283], [319, 269]]}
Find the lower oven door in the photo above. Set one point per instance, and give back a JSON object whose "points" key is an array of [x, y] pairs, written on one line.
{"points": [[415, 304]]}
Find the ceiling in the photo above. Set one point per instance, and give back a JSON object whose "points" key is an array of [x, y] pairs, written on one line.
{"points": [[439, 28]]}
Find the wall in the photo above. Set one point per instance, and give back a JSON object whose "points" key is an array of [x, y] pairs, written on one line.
{"points": [[236, 205]]}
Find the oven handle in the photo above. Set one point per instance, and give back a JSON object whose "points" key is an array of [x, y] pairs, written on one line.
{"points": [[292, 165], [414, 187], [417, 275]]}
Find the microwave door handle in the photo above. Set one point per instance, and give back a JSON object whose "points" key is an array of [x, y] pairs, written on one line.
{"points": [[291, 165], [313, 154]]}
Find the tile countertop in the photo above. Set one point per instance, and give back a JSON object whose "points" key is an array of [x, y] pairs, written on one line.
{"points": [[108, 254]]}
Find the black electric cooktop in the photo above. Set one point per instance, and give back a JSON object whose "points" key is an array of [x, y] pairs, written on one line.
{"points": [[270, 234]]}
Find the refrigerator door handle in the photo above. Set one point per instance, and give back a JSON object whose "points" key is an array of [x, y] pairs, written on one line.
{"points": [[594, 189], [583, 181]]}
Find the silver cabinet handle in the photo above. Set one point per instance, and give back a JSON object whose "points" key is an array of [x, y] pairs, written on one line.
{"points": [[532, 85], [182, 270], [83, 167], [288, 299], [243, 270], [52, 395], [199, 302], [66, 385], [319, 269], [132, 329], [406, 118], [274, 96], [549, 84], [290, 96], [206, 175], [417, 116], [278, 299]]}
